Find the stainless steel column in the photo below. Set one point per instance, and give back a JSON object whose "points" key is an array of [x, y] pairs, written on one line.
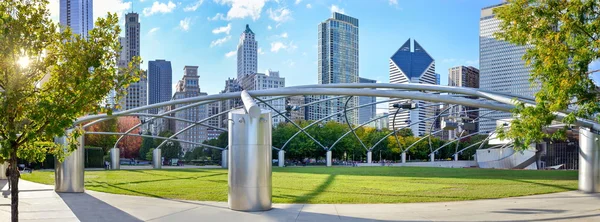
{"points": [[249, 160], [224, 159], [403, 157], [156, 159], [281, 158], [432, 157], [69, 174], [329, 158], [589, 161], [369, 157], [115, 159], [3, 168], [456, 157]]}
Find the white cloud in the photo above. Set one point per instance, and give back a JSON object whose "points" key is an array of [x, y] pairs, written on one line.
{"points": [[269, 27], [218, 16], [283, 35], [158, 7], [153, 30], [393, 2], [277, 46], [335, 8], [230, 54], [298, 2], [185, 24], [260, 51], [224, 29], [193, 7], [220, 41], [308, 5], [243, 8], [280, 15]]}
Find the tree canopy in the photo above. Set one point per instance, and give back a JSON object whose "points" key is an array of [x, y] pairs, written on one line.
{"points": [[562, 39], [48, 78]]}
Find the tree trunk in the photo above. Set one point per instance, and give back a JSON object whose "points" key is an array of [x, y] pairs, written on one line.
{"points": [[14, 191]]}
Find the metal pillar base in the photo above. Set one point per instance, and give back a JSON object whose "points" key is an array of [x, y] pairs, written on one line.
{"points": [[250, 161], [589, 161], [456, 157], [432, 157], [157, 159], [68, 175], [224, 159], [329, 158], [403, 157], [369, 157], [115, 159], [281, 158], [3, 168]]}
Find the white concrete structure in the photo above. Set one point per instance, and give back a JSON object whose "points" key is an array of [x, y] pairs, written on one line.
{"points": [[247, 54], [78, 15], [415, 66], [501, 66], [188, 87], [271, 80]]}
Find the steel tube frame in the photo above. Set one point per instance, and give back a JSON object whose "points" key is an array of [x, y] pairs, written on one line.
{"points": [[329, 116], [157, 137], [506, 105], [350, 126]]}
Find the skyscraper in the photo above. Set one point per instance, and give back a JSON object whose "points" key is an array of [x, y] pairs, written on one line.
{"points": [[247, 54], [463, 76], [368, 112], [137, 93], [415, 66], [337, 62], [77, 14], [501, 67], [188, 87], [159, 82]]}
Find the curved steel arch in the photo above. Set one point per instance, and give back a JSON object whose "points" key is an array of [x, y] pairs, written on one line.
{"points": [[501, 102], [156, 137], [329, 116]]}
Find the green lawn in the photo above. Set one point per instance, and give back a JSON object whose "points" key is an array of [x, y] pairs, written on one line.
{"points": [[334, 185]]}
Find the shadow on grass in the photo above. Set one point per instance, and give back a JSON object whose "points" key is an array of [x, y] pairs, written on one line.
{"points": [[435, 172], [171, 178], [565, 188], [151, 195], [320, 189]]}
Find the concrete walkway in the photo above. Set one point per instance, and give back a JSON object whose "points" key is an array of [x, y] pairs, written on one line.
{"points": [[40, 203]]}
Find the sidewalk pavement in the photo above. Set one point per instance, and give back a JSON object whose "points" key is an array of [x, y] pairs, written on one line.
{"points": [[40, 203]]}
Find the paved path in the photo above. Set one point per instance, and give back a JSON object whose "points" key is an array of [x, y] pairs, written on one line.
{"points": [[40, 203]]}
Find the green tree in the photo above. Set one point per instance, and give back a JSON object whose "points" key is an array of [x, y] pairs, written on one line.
{"points": [[149, 154], [171, 149], [49, 78], [563, 39], [147, 145]]}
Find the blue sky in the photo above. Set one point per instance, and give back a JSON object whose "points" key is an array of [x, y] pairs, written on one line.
{"points": [[206, 33]]}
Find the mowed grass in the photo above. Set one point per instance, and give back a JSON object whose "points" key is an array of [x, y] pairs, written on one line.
{"points": [[334, 185]]}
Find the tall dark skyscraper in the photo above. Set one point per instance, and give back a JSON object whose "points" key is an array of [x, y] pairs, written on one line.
{"points": [[159, 82]]}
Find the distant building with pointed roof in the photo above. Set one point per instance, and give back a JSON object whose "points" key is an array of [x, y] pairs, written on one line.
{"points": [[415, 66], [247, 54]]}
